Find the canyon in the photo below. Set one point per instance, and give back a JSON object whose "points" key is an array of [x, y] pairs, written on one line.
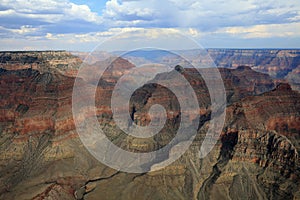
{"points": [[280, 64], [256, 156]]}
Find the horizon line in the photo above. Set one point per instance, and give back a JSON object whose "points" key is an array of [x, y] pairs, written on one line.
{"points": [[212, 48]]}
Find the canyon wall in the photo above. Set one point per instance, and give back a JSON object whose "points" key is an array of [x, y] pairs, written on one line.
{"points": [[282, 64], [43, 61], [42, 157]]}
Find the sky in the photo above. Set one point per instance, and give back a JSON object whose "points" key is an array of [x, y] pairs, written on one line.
{"points": [[81, 25]]}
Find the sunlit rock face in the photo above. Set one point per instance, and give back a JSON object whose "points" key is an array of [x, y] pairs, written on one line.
{"points": [[42, 157]]}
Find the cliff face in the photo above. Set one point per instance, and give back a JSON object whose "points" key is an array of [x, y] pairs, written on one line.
{"points": [[282, 64], [279, 64], [43, 61], [42, 157], [266, 148]]}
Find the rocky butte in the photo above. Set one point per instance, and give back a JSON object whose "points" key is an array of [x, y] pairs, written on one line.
{"points": [[42, 157]]}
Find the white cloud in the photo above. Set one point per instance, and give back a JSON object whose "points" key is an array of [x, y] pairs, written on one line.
{"points": [[121, 38], [8, 12], [51, 11], [264, 31], [82, 12], [205, 14], [64, 22], [22, 31], [25, 30], [127, 10], [50, 36]]}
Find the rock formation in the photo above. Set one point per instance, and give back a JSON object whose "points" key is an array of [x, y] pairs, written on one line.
{"points": [[282, 64], [42, 156], [43, 61]]}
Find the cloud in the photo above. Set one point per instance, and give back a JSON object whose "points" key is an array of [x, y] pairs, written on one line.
{"points": [[22, 32], [120, 39], [206, 15], [266, 36], [48, 10], [58, 22], [129, 11], [81, 12], [264, 31], [49, 15]]}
